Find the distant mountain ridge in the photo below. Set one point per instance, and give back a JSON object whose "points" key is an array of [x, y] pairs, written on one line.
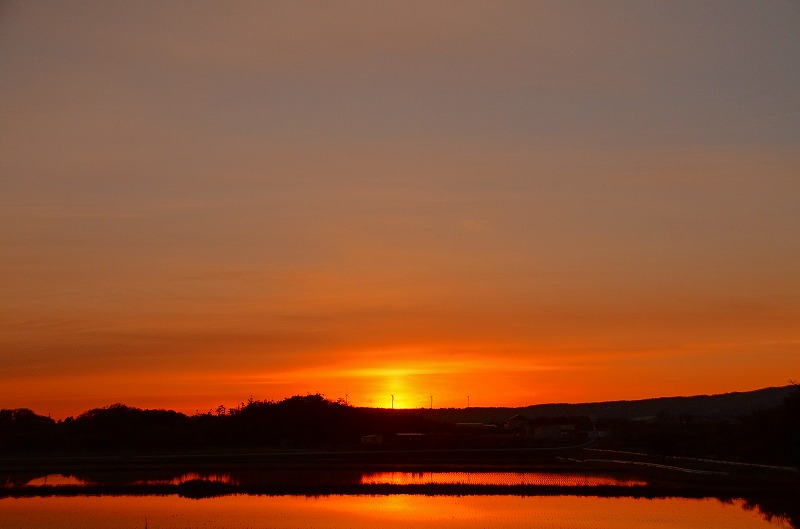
{"points": [[721, 406]]}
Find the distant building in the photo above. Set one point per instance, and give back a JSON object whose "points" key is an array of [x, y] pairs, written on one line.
{"points": [[518, 425], [372, 439], [409, 438], [554, 431], [596, 434], [476, 426], [561, 428]]}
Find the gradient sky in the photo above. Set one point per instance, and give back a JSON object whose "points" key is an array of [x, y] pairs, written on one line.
{"points": [[522, 202]]}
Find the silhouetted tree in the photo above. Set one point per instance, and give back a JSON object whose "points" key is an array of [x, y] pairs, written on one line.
{"points": [[24, 429]]}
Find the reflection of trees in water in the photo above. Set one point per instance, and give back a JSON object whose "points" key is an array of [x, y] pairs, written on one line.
{"points": [[18, 479], [776, 508], [177, 476]]}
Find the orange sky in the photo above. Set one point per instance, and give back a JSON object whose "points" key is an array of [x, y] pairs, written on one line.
{"points": [[535, 202]]}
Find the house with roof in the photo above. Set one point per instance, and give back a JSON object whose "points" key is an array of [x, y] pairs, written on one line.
{"points": [[518, 425]]}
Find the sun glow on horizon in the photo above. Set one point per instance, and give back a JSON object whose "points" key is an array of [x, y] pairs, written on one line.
{"points": [[377, 199], [418, 376]]}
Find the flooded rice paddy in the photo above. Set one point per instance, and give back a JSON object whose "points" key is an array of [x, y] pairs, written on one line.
{"points": [[67, 501], [386, 512]]}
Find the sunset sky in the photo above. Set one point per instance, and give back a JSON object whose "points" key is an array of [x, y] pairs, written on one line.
{"points": [[522, 202]]}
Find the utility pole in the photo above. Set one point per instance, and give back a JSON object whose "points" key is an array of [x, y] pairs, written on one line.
{"points": [[431, 401], [467, 401], [346, 397], [392, 401]]}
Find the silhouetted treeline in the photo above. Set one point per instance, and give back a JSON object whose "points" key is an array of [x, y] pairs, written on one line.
{"points": [[298, 421], [769, 436], [23, 429]]}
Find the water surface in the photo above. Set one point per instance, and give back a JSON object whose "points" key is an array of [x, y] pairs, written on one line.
{"points": [[387, 512]]}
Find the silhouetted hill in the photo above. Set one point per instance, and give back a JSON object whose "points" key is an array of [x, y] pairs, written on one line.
{"points": [[723, 406]]}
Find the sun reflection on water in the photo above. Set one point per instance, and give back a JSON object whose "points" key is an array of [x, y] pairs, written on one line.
{"points": [[388, 512]]}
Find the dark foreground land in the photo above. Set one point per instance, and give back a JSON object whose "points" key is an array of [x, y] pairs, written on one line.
{"points": [[312, 446], [756, 427]]}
